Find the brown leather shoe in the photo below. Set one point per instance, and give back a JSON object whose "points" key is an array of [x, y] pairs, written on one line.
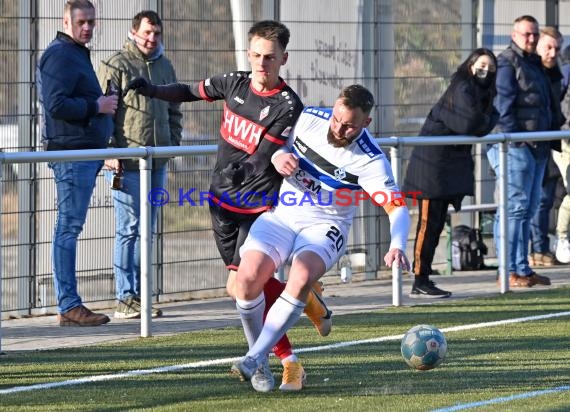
{"points": [[539, 279], [81, 316], [517, 281]]}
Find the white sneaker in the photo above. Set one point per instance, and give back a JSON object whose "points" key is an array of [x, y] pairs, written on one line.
{"points": [[262, 379], [563, 251]]}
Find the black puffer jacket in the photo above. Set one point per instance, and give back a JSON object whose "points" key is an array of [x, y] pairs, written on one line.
{"points": [[446, 172]]}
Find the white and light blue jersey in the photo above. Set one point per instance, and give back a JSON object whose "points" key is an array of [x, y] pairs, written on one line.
{"points": [[332, 181]]}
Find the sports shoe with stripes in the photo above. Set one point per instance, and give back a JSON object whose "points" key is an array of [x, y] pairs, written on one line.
{"points": [[428, 290], [294, 377], [130, 308]]}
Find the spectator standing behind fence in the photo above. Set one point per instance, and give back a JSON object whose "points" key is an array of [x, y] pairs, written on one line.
{"points": [[329, 151], [524, 104], [138, 122], [562, 160], [76, 115], [443, 174], [260, 110], [548, 48]]}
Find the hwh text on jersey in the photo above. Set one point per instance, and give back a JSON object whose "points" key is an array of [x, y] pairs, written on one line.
{"points": [[240, 132]]}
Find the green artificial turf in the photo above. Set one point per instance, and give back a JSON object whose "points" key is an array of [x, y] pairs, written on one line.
{"points": [[518, 362]]}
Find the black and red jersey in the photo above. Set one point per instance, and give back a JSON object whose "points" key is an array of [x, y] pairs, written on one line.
{"points": [[254, 125]]}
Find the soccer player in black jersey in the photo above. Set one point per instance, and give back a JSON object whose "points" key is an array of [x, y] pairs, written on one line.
{"points": [[259, 112]]}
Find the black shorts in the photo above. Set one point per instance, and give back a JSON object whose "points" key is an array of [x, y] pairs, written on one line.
{"points": [[230, 231]]}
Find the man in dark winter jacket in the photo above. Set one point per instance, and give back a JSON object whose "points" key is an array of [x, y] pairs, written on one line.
{"points": [[548, 49], [76, 116], [524, 104]]}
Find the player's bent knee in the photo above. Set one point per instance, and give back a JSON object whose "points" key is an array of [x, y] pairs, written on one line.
{"points": [[307, 267], [250, 284]]}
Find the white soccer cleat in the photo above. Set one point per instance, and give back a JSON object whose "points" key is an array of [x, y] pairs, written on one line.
{"points": [[262, 379]]}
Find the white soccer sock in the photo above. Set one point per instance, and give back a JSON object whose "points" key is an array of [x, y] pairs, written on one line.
{"points": [[284, 313], [251, 314], [290, 358]]}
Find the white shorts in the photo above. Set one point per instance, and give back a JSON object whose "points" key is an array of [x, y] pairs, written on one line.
{"points": [[284, 239]]}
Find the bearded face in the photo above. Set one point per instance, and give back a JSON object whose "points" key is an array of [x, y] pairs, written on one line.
{"points": [[339, 141], [346, 124]]}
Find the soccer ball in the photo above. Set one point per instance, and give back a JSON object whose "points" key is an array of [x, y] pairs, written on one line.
{"points": [[423, 347]]}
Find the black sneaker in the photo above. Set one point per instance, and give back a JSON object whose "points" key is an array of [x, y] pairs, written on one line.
{"points": [[428, 290]]}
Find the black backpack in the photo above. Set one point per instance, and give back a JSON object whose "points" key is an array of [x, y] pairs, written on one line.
{"points": [[467, 248]]}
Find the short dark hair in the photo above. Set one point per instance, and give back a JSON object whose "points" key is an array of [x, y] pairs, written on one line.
{"points": [[270, 30], [526, 17], [355, 96], [72, 5], [151, 15]]}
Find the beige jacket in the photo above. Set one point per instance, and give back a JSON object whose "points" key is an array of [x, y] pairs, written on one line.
{"points": [[139, 120]]}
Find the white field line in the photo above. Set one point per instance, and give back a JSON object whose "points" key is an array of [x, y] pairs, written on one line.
{"points": [[214, 362], [450, 329], [524, 395]]}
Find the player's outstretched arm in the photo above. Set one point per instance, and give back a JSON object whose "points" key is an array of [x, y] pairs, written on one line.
{"points": [[175, 92]]}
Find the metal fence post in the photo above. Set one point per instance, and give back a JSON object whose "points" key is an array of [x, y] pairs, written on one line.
{"points": [[396, 285], [503, 226], [396, 162], [145, 168]]}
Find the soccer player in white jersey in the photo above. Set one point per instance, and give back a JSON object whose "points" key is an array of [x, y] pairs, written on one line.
{"points": [[330, 163]]}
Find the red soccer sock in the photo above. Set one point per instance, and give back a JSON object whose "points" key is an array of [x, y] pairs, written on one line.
{"points": [[272, 291]]}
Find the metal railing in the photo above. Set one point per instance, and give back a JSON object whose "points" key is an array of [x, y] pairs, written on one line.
{"points": [[146, 154], [397, 143]]}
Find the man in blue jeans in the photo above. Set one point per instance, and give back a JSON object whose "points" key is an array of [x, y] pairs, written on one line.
{"points": [[524, 104], [548, 48], [76, 116], [539, 251], [140, 121]]}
